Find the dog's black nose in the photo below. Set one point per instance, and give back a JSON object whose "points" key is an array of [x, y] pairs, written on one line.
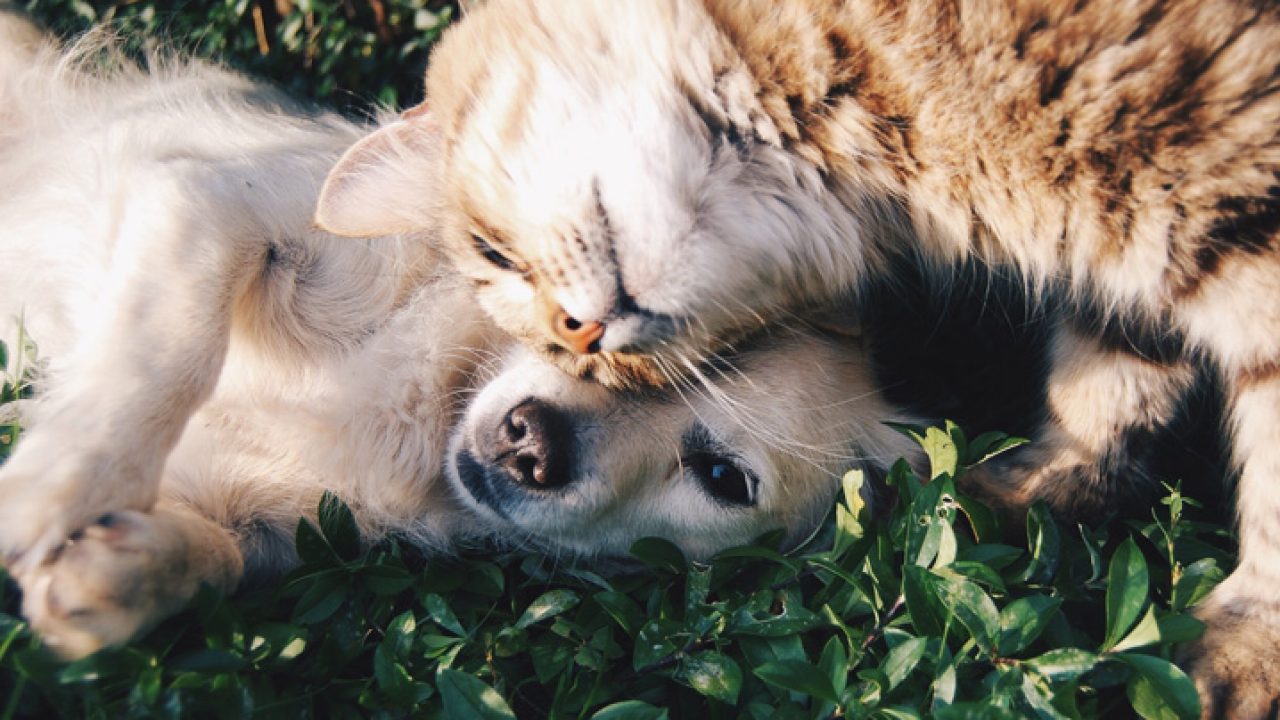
{"points": [[533, 445]]}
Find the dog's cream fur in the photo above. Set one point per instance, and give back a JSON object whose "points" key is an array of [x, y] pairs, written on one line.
{"points": [[212, 363]]}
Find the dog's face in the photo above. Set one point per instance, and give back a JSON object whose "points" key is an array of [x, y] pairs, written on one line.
{"points": [[569, 466]]}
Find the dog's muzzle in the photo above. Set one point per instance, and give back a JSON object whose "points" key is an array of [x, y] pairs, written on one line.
{"points": [[528, 453]]}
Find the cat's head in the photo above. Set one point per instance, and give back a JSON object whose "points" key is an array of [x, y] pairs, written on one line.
{"points": [[612, 189]]}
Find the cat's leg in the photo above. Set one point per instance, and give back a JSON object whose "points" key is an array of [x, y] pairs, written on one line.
{"points": [[183, 246], [119, 576], [1105, 405], [1236, 664]]}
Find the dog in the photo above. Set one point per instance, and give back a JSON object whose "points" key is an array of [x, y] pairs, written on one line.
{"points": [[212, 363]]}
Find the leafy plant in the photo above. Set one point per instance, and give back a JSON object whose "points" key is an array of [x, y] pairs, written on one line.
{"points": [[350, 53], [15, 384], [925, 612]]}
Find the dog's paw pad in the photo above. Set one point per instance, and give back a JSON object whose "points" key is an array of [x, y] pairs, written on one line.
{"points": [[103, 586]]}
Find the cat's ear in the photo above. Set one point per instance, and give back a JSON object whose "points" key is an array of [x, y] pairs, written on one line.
{"points": [[387, 183]]}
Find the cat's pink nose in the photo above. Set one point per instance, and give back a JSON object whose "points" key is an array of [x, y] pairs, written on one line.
{"points": [[581, 337]]}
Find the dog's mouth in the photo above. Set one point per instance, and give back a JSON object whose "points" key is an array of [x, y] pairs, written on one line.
{"points": [[475, 479]]}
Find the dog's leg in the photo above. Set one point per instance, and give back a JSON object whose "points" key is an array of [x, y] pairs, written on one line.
{"points": [[122, 574], [1104, 407], [184, 245]]}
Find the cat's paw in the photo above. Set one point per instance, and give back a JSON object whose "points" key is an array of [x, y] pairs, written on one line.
{"points": [[108, 583], [1236, 663]]}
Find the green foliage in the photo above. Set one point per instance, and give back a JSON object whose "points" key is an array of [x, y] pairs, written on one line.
{"points": [[350, 53], [15, 384], [923, 612]]}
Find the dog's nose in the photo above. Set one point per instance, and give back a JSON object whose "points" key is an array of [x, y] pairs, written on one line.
{"points": [[533, 444], [582, 337]]}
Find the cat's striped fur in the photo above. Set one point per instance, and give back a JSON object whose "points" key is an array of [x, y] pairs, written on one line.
{"points": [[675, 173]]}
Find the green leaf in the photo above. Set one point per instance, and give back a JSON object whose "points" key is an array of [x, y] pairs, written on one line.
{"points": [[339, 526], [385, 579], [1146, 632], [1159, 690], [1196, 581], [799, 676], [972, 607], [774, 613], [982, 574], [974, 711], [835, 662], [466, 696], [400, 632], [441, 614], [993, 555], [1022, 621], [653, 643], [549, 604], [849, 527], [944, 688], [944, 456], [390, 674], [206, 660], [927, 612], [630, 710], [1127, 588], [1038, 698], [1178, 629], [312, 548], [928, 528], [1044, 543], [714, 675], [658, 554], [318, 603], [902, 659], [984, 523], [990, 444], [622, 609], [1063, 664]]}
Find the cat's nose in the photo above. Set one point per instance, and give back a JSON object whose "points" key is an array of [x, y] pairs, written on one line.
{"points": [[533, 445], [582, 337]]}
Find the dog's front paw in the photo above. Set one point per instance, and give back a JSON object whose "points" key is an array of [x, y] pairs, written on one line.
{"points": [[108, 583], [1236, 663], [49, 493]]}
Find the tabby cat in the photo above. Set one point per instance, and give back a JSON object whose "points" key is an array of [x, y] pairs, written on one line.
{"points": [[639, 183]]}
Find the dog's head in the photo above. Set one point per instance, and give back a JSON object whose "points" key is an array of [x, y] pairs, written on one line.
{"points": [[756, 444]]}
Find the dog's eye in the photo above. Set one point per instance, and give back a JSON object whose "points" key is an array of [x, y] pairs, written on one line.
{"points": [[723, 479], [495, 257]]}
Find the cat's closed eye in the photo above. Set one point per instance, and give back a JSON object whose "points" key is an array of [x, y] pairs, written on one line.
{"points": [[493, 255]]}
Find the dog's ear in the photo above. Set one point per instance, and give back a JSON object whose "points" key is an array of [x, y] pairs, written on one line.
{"points": [[387, 183]]}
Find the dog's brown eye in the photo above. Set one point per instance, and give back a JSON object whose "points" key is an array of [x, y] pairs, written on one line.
{"points": [[488, 252], [723, 479]]}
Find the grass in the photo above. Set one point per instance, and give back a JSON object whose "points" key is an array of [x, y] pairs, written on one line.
{"points": [[929, 612], [934, 610]]}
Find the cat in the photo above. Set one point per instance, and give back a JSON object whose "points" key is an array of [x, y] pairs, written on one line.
{"points": [[211, 365], [636, 185]]}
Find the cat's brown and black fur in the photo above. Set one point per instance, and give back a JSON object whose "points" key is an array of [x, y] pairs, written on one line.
{"points": [[673, 174]]}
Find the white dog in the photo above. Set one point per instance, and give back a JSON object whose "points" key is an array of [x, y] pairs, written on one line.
{"points": [[212, 364]]}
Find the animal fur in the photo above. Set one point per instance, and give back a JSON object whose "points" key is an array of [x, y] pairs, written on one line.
{"points": [[212, 364], [672, 174]]}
